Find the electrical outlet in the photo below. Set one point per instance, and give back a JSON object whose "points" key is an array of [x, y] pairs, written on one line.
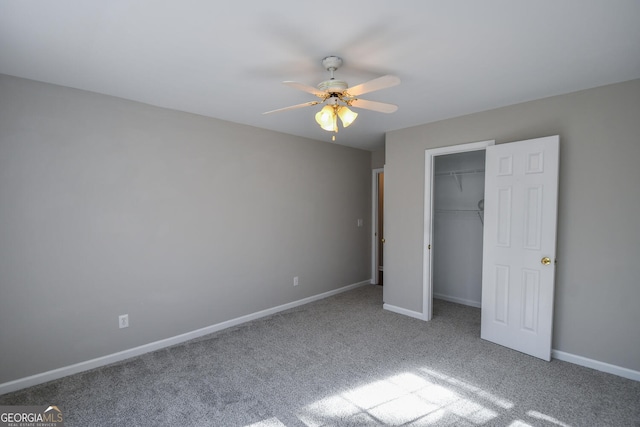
{"points": [[295, 281], [123, 321], [360, 222]]}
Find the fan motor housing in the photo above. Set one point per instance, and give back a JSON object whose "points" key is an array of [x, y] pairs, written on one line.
{"points": [[333, 86]]}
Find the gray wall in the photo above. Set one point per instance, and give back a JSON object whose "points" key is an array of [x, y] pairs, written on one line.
{"points": [[598, 272], [377, 159], [109, 207]]}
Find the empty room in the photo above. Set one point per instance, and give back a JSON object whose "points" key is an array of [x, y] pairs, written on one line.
{"points": [[286, 213]]}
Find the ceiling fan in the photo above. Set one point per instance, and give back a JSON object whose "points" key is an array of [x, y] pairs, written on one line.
{"points": [[338, 97]]}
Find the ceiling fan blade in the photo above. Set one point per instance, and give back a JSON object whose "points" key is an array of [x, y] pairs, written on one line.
{"points": [[293, 107], [374, 105], [373, 85], [306, 88]]}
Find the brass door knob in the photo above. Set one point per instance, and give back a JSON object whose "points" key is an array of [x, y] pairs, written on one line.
{"points": [[546, 260], [383, 240]]}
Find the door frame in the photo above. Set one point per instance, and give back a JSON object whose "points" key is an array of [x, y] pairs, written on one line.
{"points": [[427, 253], [375, 242]]}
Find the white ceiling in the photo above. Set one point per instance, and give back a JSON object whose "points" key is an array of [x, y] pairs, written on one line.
{"points": [[228, 59]]}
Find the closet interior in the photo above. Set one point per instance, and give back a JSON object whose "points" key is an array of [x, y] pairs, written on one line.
{"points": [[458, 219]]}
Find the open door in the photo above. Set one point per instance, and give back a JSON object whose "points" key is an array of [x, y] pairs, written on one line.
{"points": [[519, 245]]}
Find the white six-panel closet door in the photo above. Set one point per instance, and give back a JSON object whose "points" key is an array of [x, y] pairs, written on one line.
{"points": [[519, 244]]}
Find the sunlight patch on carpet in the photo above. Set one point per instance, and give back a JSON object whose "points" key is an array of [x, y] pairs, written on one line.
{"points": [[271, 422], [408, 397]]}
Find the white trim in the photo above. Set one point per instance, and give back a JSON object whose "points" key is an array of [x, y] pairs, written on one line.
{"points": [[375, 194], [157, 345], [403, 311], [597, 365], [429, 154], [457, 300]]}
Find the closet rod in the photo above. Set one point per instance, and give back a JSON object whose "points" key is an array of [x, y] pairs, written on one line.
{"points": [[461, 172], [457, 210]]}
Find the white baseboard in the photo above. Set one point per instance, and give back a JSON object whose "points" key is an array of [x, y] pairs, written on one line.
{"points": [[157, 345], [458, 300], [597, 365], [403, 311]]}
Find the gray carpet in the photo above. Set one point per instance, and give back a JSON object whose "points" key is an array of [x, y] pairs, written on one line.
{"points": [[342, 361]]}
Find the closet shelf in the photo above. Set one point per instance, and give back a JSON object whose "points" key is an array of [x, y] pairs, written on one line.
{"points": [[457, 175]]}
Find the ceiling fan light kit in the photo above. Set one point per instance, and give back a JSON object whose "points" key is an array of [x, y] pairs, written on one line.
{"points": [[338, 97], [326, 118]]}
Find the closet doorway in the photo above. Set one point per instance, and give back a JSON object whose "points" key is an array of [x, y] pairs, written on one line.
{"points": [[458, 218], [454, 217]]}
